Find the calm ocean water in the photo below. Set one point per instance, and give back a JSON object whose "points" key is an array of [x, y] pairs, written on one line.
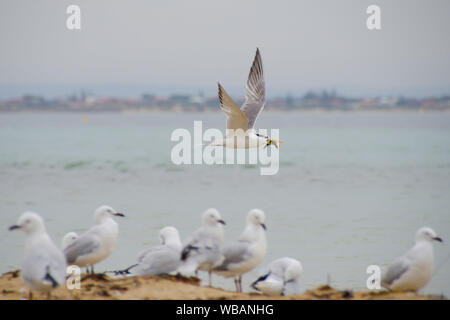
{"points": [[351, 191]]}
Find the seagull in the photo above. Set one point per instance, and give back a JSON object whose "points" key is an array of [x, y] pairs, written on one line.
{"points": [[68, 239], [98, 242], [202, 251], [240, 121], [44, 265], [413, 270], [282, 277], [247, 252], [160, 259]]}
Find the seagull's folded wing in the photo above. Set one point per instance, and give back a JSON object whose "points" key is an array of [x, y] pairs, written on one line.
{"points": [[82, 246], [395, 271], [161, 261], [149, 251], [234, 253]]}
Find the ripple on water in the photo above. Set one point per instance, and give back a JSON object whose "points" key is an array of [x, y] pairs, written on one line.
{"points": [[76, 164]]}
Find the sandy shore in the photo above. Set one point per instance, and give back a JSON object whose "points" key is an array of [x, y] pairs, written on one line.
{"points": [[171, 287]]}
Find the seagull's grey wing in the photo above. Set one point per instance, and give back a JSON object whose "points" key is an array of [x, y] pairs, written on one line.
{"points": [[148, 251], [46, 262], [82, 246], [202, 246], [157, 262], [256, 91], [236, 119], [262, 277], [234, 253], [191, 245], [395, 270], [278, 267], [275, 270], [292, 287]]}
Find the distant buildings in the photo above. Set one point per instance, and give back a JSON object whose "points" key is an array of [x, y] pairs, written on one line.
{"points": [[311, 101]]}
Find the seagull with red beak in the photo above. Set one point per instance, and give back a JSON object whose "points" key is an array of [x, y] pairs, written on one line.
{"points": [[44, 265], [98, 242], [247, 252], [413, 270]]}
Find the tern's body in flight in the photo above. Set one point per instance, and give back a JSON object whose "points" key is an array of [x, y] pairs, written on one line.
{"points": [[240, 121]]}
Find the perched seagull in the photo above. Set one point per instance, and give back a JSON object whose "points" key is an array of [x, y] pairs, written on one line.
{"points": [[98, 242], [68, 239], [240, 122], [413, 270], [202, 251], [44, 266], [161, 259], [282, 277], [247, 252]]}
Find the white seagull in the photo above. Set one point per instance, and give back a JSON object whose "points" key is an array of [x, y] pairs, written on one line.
{"points": [[413, 270], [247, 252], [160, 259], [202, 251], [282, 277], [68, 239], [98, 242], [240, 121], [44, 265]]}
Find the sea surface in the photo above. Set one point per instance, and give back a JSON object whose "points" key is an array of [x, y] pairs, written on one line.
{"points": [[351, 191]]}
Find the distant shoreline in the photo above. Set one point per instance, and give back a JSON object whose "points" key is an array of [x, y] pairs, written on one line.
{"points": [[159, 111]]}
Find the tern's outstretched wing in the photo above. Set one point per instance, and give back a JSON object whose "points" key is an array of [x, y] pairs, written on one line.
{"points": [[256, 92], [236, 119]]}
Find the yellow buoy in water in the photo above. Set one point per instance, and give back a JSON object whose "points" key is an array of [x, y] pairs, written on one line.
{"points": [[85, 118]]}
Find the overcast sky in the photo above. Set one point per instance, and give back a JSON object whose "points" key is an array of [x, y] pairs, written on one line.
{"points": [[163, 46]]}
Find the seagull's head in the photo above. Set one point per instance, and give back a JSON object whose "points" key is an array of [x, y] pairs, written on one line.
{"points": [[212, 217], [29, 222], [169, 234], [293, 271], [257, 218], [68, 239], [269, 141], [427, 234], [104, 212]]}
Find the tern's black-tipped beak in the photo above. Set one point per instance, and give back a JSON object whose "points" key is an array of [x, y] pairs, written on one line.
{"points": [[264, 226], [438, 239], [274, 142], [118, 214], [14, 227], [221, 221]]}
